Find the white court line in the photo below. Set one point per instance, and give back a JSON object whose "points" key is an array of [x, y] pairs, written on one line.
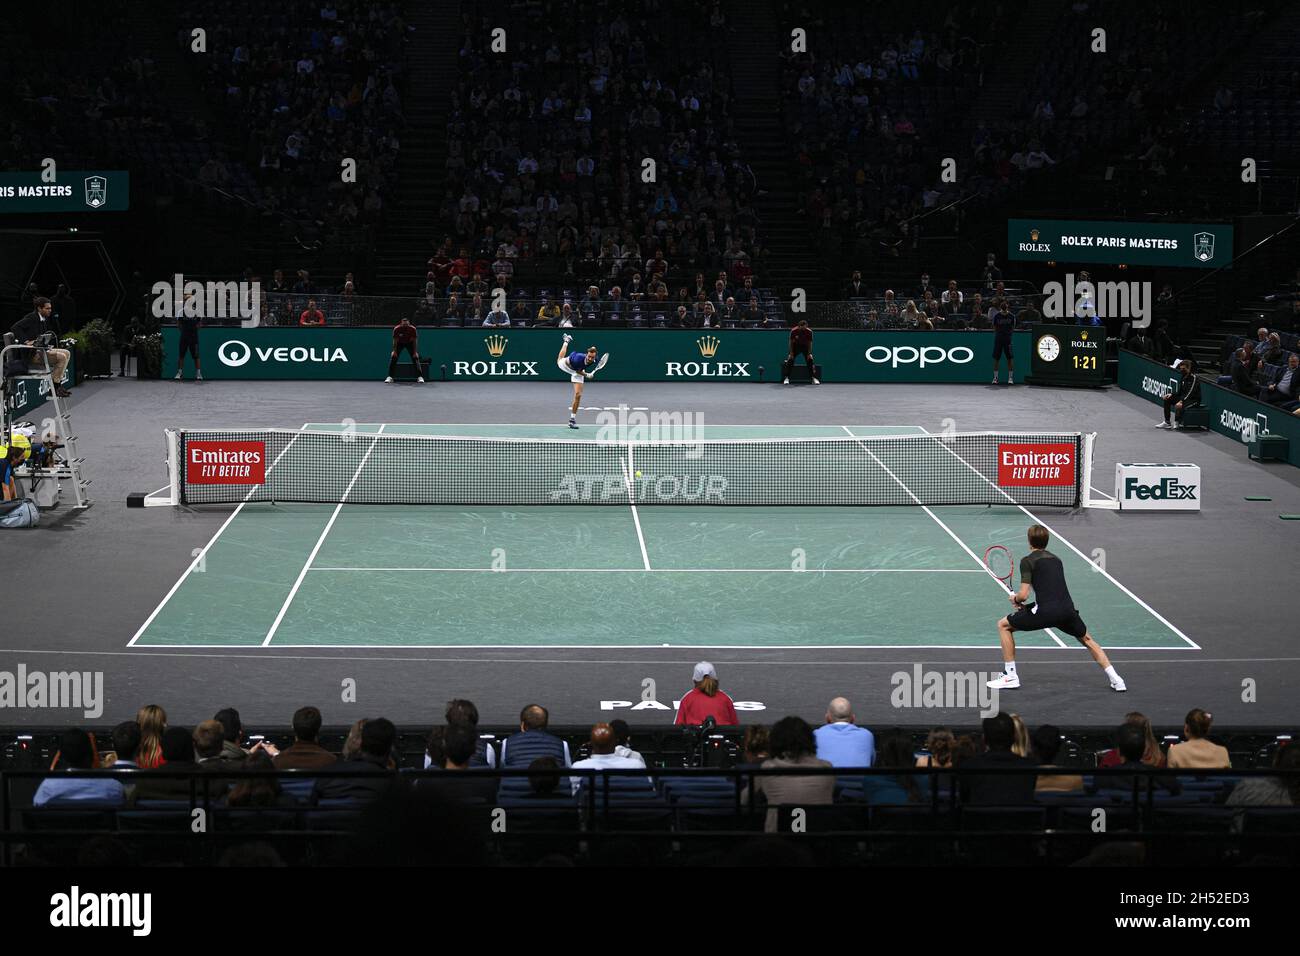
{"points": [[254, 652], [321, 540], [1037, 520], [809, 571], [198, 558], [1047, 630], [631, 499], [983, 648]]}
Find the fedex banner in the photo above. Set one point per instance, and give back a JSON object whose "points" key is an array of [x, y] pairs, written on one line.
{"points": [[1036, 465], [1155, 487], [225, 462]]}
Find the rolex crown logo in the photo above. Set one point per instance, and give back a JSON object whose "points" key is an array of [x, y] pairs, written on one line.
{"points": [[708, 345], [1084, 335], [496, 345], [1033, 235]]}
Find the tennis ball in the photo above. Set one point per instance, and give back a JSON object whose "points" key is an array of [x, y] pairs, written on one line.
{"points": [[638, 474]]}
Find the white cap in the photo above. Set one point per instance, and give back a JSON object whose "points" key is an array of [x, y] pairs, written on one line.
{"points": [[704, 669]]}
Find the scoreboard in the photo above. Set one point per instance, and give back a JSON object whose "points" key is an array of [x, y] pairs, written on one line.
{"points": [[1068, 355]]}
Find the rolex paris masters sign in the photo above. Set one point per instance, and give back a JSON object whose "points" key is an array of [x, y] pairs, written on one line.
{"points": [[1191, 245], [85, 190]]}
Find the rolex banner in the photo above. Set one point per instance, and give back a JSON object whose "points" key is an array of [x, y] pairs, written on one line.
{"points": [[98, 190], [1190, 245], [635, 355]]}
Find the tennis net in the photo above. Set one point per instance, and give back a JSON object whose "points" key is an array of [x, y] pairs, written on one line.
{"points": [[213, 467]]}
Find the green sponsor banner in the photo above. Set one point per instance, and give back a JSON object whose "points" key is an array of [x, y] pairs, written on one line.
{"points": [[80, 190], [1192, 245], [635, 355], [1231, 414]]}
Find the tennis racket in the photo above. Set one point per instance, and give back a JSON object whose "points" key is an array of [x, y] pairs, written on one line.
{"points": [[1000, 564], [599, 365]]}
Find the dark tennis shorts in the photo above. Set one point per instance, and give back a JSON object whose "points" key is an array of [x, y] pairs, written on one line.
{"points": [[1070, 622], [1001, 347]]}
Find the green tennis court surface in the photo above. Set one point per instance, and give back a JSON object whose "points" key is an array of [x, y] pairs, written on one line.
{"points": [[609, 576]]}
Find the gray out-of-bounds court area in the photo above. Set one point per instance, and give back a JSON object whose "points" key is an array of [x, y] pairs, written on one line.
{"points": [[269, 607]]}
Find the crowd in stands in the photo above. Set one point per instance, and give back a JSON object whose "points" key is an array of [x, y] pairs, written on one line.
{"points": [[1266, 368], [552, 150], [301, 88], [165, 760]]}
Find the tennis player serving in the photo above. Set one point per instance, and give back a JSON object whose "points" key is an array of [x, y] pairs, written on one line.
{"points": [[1045, 574], [580, 366]]}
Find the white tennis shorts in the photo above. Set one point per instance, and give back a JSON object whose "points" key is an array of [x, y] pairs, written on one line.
{"points": [[576, 377]]}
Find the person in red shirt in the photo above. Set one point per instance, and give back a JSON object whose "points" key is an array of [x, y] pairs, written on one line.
{"points": [[311, 315], [706, 700], [800, 344], [405, 338]]}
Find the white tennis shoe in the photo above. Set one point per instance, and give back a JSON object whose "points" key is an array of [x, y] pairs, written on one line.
{"points": [[389, 380], [1005, 682], [1118, 685]]}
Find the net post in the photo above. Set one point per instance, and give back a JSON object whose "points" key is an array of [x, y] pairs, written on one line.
{"points": [[173, 496], [1086, 499]]}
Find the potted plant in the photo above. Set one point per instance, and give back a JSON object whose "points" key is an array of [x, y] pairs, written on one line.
{"points": [[95, 349], [147, 349]]}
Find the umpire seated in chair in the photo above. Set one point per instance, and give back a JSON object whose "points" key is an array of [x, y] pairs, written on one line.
{"points": [[39, 330]]}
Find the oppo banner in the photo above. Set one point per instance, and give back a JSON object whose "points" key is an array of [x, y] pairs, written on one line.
{"points": [[1231, 413], [635, 355], [1193, 245]]}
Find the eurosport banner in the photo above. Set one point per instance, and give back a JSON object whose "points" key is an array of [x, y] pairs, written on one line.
{"points": [[1191, 245], [30, 393], [635, 355], [77, 190], [1231, 414]]}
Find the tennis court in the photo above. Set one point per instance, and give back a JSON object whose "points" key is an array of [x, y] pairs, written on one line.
{"points": [[424, 576]]}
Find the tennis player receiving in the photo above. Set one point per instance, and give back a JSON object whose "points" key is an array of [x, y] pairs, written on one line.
{"points": [[577, 365], [1043, 571]]}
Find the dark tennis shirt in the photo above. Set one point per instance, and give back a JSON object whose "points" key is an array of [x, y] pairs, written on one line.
{"points": [[800, 339], [1004, 324], [1044, 572], [405, 335]]}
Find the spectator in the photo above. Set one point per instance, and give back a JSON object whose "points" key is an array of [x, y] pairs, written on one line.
{"points": [[1198, 752], [939, 746], [840, 741], [1131, 744], [260, 791], [1047, 744], [1271, 353], [464, 713], [311, 316], [1021, 746], [1000, 789], [603, 743], [755, 746], [793, 745], [177, 755], [460, 784], [77, 752], [208, 743], [153, 723], [543, 777], [548, 313], [305, 753], [533, 740], [895, 754], [705, 700], [1280, 791], [126, 745], [498, 317], [1284, 389], [952, 295], [232, 732], [435, 748], [376, 755], [1152, 755], [911, 316], [623, 741], [352, 743], [854, 289]]}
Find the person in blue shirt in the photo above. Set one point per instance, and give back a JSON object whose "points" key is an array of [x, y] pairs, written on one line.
{"points": [[76, 753], [577, 365], [840, 741]]}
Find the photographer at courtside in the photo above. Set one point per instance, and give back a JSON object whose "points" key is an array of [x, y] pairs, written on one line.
{"points": [[38, 329]]}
